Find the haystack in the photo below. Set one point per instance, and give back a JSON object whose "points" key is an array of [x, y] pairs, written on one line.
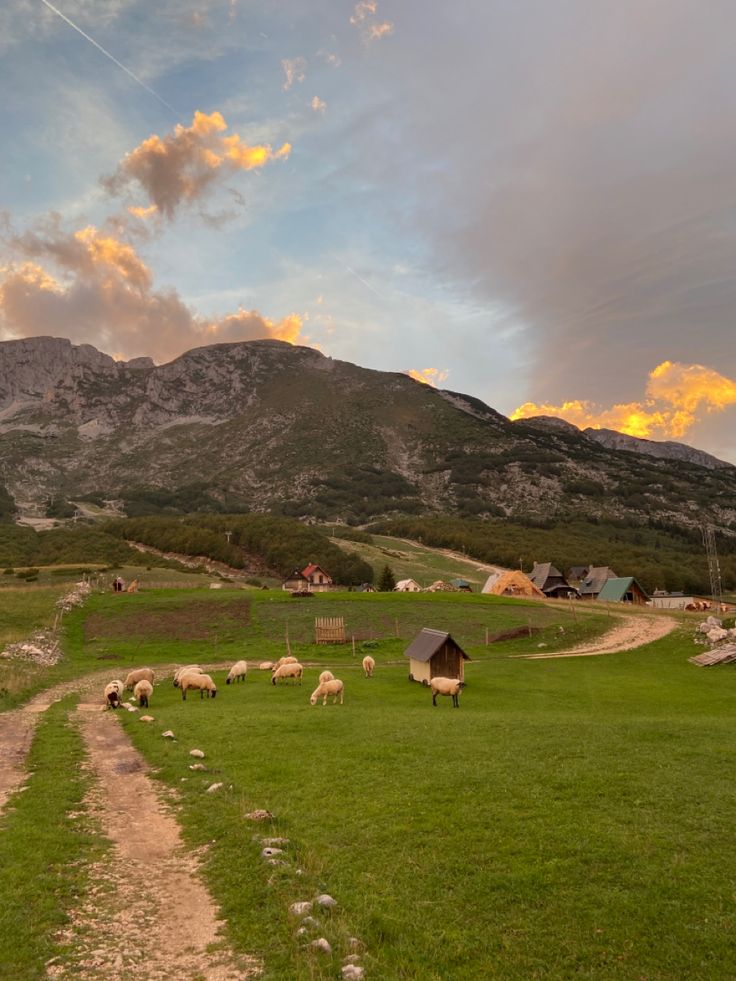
{"points": [[512, 583]]}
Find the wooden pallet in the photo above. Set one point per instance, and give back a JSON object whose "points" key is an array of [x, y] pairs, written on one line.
{"points": [[721, 655], [329, 630]]}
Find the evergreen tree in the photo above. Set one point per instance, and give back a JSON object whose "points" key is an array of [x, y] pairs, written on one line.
{"points": [[387, 581]]}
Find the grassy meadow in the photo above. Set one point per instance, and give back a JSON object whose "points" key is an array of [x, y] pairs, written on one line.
{"points": [[571, 818]]}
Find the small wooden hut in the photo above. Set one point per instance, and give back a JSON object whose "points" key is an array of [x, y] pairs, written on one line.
{"points": [[433, 654]]}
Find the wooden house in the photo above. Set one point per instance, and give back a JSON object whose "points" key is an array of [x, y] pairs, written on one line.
{"points": [[625, 590], [434, 654], [296, 583], [550, 580], [462, 585], [407, 586], [595, 579], [319, 581]]}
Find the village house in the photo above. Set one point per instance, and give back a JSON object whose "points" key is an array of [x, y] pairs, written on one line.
{"points": [[511, 583], [623, 590], [319, 581], [295, 583], [550, 581], [434, 654], [596, 578], [407, 586]]}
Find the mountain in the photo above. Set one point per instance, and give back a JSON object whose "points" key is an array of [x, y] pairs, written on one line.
{"points": [[665, 449], [264, 425]]}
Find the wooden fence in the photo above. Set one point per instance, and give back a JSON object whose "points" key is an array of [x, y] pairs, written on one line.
{"points": [[329, 630]]}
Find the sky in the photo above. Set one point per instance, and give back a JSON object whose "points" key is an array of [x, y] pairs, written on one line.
{"points": [[532, 202]]}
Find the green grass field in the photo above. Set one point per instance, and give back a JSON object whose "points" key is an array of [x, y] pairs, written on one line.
{"points": [[570, 819]]}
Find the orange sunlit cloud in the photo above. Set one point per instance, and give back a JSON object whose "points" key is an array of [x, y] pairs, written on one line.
{"points": [[677, 396], [363, 16], [428, 376], [179, 167]]}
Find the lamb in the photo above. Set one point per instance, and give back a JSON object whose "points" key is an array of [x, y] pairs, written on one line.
{"points": [[334, 688], [287, 671], [143, 691], [446, 686], [203, 682], [237, 672], [368, 666], [135, 676], [326, 676], [113, 694], [187, 669]]}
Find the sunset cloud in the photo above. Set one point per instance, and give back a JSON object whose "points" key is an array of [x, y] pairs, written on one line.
{"points": [[677, 396], [363, 17], [295, 70], [179, 167], [318, 105], [428, 376], [101, 292]]}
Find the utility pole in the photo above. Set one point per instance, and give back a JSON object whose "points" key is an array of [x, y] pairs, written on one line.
{"points": [[714, 568]]}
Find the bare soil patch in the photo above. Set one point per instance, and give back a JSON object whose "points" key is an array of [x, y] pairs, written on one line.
{"points": [[197, 620], [148, 914], [629, 633]]}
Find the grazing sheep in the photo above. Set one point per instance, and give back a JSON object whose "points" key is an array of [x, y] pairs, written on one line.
{"points": [[201, 682], [287, 671], [143, 691], [237, 672], [113, 694], [187, 669], [283, 660], [326, 676], [135, 676], [265, 665], [446, 686], [368, 666], [334, 688]]}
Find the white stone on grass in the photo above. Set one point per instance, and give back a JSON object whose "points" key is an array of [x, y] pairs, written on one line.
{"points": [[271, 852], [300, 909], [213, 787], [197, 752], [198, 766], [146, 718], [325, 901], [353, 972], [168, 734], [322, 945]]}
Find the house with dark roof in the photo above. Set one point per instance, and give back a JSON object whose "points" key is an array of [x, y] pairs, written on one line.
{"points": [[550, 580], [624, 590], [296, 583], [594, 581], [576, 573], [434, 654]]}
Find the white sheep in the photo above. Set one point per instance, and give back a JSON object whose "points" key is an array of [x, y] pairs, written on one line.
{"points": [[282, 661], [201, 682], [113, 694], [368, 666], [334, 687], [287, 671], [143, 691], [237, 672], [186, 669], [326, 676], [446, 686], [265, 666], [135, 676]]}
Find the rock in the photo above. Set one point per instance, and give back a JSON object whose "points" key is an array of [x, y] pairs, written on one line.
{"points": [[259, 815], [325, 901], [197, 766], [302, 932], [300, 909], [168, 734], [274, 842], [213, 787], [354, 943], [197, 752], [351, 959], [146, 718], [353, 972], [271, 852], [322, 945], [309, 921]]}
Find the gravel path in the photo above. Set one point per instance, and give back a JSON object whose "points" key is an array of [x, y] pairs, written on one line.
{"points": [[628, 633]]}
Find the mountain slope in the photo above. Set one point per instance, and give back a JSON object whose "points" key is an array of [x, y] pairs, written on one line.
{"points": [[266, 425]]}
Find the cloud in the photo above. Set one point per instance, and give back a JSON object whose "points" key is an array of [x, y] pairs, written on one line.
{"points": [[295, 70], [318, 105], [363, 17], [101, 292], [428, 376], [677, 397], [179, 168]]}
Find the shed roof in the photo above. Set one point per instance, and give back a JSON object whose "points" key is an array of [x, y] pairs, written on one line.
{"points": [[428, 642], [614, 590], [597, 577]]}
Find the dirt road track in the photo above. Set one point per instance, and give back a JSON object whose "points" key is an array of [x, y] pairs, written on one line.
{"points": [[628, 633]]}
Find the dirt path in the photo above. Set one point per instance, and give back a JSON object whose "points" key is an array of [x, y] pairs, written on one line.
{"points": [[628, 633], [148, 914]]}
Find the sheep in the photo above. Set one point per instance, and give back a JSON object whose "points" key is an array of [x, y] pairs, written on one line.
{"points": [[283, 660], [326, 676], [237, 672], [135, 676], [203, 682], [187, 669], [334, 687], [446, 686], [368, 666], [143, 691], [288, 671], [113, 694], [265, 666]]}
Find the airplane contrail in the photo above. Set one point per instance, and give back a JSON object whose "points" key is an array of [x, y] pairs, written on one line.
{"points": [[112, 58], [357, 276]]}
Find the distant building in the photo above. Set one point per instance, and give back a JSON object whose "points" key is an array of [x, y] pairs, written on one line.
{"points": [[595, 579], [296, 583], [512, 583], [462, 584], [626, 590], [407, 586], [550, 581], [319, 581], [434, 654], [662, 600]]}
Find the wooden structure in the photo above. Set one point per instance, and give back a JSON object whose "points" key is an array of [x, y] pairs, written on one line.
{"points": [[551, 581], [721, 655], [329, 630], [595, 579], [434, 654], [318, 580], [626, 590], [295, 583], [407, 586], [512, 583]]}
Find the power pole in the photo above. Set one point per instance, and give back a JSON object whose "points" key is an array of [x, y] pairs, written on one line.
{"points": [[714, 568]]}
